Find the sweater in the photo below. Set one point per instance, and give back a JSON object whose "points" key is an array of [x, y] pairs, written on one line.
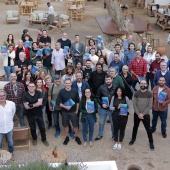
{"points": [[117, 81], [142, 102]]}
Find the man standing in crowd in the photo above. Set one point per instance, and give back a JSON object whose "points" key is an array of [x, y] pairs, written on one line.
{"points": [[127, 42], [22, 62], [64, 41], [155, 65], [97, 78], [50, 17], [69, 111], [15, 91], [58, 59], [33, 104], [117, 50], [21, 48], [142, 103], [7, 111], [77, 50], [160, 107], [138, 68], [164, 72], [87, 70], [143, 46], [106, 90], [45, 39]]}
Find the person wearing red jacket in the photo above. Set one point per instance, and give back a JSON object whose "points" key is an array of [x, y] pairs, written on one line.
{"points": [[21, 48]]}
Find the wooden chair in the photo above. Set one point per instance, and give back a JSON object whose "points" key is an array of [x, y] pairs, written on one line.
{"points": [[21, 134], [140, 4]]}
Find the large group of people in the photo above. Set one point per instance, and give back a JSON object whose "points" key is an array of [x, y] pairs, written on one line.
{"points": [[45, 85]]}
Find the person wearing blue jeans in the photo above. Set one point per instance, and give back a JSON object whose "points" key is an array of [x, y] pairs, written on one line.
{"points": [[7, 111], [88, 108], [20, 113], [49, 69], [8, 71], [104, 95]]}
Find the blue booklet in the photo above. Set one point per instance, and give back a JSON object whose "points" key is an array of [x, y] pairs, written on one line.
{"points": [[105, 101], [90, 106], [52, 104], [47, 50], [86, 56], [28, 44], [76, 52], [65, 50], [70, 102], [39, 52], [162, 96], [117, 69], [34, 69], [123, 109], [140, 78], [3, 49], [99, 39]]}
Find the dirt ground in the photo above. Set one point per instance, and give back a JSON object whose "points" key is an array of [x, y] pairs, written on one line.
{"points": [[102, 150]]}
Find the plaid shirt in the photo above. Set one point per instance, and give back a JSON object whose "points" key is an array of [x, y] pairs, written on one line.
{"points": [[11, 96], [139, 68]]}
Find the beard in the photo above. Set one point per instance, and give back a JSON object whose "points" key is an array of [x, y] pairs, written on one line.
{"points": [[64, 39]]}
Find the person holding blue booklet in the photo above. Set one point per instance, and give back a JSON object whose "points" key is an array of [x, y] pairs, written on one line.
{"points": [[88, 108], [119, 115]]}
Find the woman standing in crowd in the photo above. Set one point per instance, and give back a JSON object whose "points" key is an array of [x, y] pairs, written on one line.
{"points": [[9, 41], [99, 53], [27, 80], [119, 120], [33, 54], [91, 44], [127, 80], [149, 56], [40, 87], [21, 75], [78, 67], [8, 61], [88, 117], [42, 74]]}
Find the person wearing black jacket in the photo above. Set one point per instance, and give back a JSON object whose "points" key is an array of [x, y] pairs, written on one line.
{"points": [[97, 78], [26, 32], [106, 90]]}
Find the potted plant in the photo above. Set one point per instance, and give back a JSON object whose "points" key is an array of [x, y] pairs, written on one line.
{"points": [[55, 152]]}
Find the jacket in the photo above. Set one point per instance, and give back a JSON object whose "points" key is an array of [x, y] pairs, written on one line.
{"points": [[84, 86], [104, 92], [25, 50], [5, 58], [81, 49], [160, 106]]}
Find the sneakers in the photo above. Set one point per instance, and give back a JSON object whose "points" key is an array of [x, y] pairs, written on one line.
{"points": [[77, 139], [98, 138], [49, 127], [90, 144], [85, 144], [132, 142], [45, 143], [152, 130], [119, 146], [152, 146], [57, 133], [34, 142], [164, 135], [71, 135], [115, 146], [66, 141]]}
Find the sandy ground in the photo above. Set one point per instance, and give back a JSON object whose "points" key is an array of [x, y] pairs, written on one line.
{"points": [[102, 150]]}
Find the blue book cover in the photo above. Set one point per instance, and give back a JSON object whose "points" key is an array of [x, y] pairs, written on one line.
{"points": [[105, 101], [140, 78], [99, 39], [34, 69], [76, 52], [28, 44], [39, 52], [47, 50], [70, 102], [86, 56], [52, 104], [162, 96], [3, 49], [123, 109], [117, 69], [65, 50], [90, 106]]}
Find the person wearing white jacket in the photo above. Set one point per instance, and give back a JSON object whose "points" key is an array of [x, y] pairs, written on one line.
{"points": [[8, 61], [149, 56]]}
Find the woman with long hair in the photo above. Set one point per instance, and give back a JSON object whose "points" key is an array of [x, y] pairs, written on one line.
{"points": [[88, 117], [78, 67], [99, 53], [40, 87], [9, 41], [21, 75], [42, 74], [119, 119], [27, 80]]}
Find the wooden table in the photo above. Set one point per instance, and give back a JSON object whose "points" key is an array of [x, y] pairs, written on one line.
{"points": [[47, 156], [27, 8], [42, 22], [162, 20], [4, 156]]}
